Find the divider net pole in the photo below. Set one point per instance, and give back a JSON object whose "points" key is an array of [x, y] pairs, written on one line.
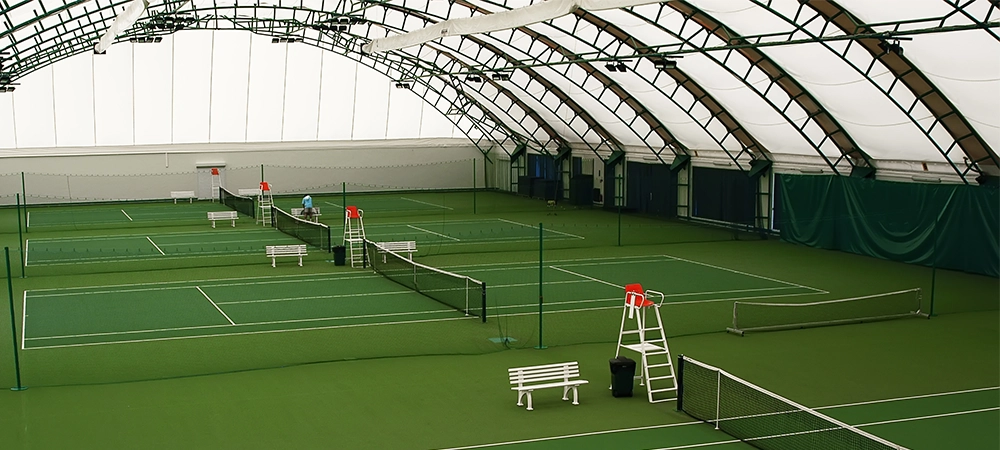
{"points": [[13, 322]]}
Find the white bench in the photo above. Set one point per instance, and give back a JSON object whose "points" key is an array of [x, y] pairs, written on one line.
{"points": [[408, 247], [297, 212], [564, 375], [183, 194], [276, 251], [222, 215]]}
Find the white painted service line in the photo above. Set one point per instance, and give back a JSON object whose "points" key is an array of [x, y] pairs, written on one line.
{"points": [[154, 245], [436, 234], [589, 278], [126, 215], [535, 227], [426, 203], [216, 306]]}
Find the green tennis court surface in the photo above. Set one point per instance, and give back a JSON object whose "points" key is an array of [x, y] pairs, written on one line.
{"points": [[217, 307], [938, 420]]}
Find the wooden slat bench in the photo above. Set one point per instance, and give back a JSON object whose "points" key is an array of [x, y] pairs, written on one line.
{"points": [[408, 247], [222, 215], [297, 212], [276, 251], [183, 194], [564, 375]]}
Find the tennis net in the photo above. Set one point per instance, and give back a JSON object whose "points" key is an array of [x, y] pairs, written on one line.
{"points": [[239, 203], [312, 233], [761, 418], [751, 316], [463, 293]]}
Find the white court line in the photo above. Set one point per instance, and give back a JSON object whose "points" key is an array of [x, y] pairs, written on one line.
{"points": [[26, 251], [113, 237], [436, 234], [589, 278], [747, 274], [247, 333], [216, 306], [426, 203], [912, 397], [535, 227], [126, 215], [154, 245], [246, 324], [96, 260], [334, 204], [24, 316], [696, 422], [27, 222], [932, 416]]}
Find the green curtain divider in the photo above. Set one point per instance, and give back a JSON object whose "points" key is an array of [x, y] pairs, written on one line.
{"points": [[944, 226]]}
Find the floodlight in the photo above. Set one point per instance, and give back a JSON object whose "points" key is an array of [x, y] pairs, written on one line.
{"points": [[611, 67], [665, 64]]}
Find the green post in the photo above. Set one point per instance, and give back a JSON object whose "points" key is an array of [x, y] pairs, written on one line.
{"points": [[262, 173], [473, 185], [343, 196], [934, 256], [540, 297], [619, 225], [24, 195], [13, 322], [20, 237]]}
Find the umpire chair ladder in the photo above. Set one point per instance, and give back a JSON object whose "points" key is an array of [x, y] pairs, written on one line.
{"points": [[264, 204], [640, 334], [354, 234]]}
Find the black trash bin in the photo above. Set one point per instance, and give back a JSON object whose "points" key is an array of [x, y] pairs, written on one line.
{"points": [[622, 376], [339, 255]]}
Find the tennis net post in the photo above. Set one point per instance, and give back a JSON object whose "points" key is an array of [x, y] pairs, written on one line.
{"points": [[762, 316]]}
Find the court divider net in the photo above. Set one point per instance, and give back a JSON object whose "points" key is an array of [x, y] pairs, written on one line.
{"points": [[761, 418], [461, 292], [239, 203], [312, 233], [758, 316]]}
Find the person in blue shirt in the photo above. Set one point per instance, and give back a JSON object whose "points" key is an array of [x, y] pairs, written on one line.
{"points": [[307, 208]]}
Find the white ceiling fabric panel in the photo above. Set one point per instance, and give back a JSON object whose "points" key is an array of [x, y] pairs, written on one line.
{"points": [[267, 90], [970, 80], [114, 96], [192, 86], [8, 135], [371, 112], [34, 116], [753, 113], [337, 97], [404, 116], [876, 124], [230, 81], [301, 106], [743, 16], [73, 90], [153, 91]]}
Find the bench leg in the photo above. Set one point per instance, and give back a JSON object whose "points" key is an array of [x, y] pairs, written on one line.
{"points": [[234, 223], [213, 224], [576, 397], [566, 392], [272, 261], [300, 260]]}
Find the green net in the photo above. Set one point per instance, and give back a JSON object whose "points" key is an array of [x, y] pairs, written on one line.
{"points": [[245, 205], [463, 293], [761, 418], [312, 233], [756, 316]]}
